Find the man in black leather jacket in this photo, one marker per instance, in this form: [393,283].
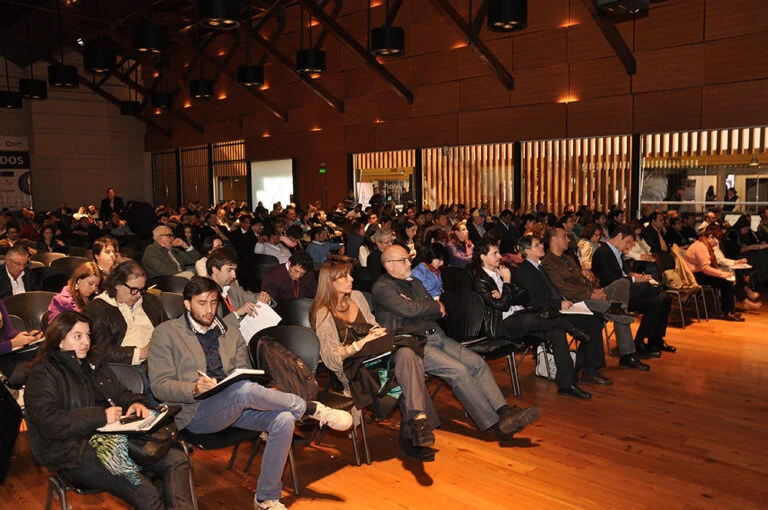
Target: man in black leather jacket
[402,303]
[505,315]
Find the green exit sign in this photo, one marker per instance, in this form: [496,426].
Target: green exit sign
[322,169]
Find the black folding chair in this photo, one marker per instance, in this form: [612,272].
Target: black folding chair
[78,251]
[173,304]
[30,306]
[46,257]
[294,312]
[303,342]
[251,270]
[54,282]
[68,264]
[456,278]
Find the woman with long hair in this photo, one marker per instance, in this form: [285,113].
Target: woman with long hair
[77,293]
[459,246]
[408,237]
[344,324]
[209,244]
[68,399]
[48,242]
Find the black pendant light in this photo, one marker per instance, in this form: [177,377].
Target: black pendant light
[31,88]
[202,88]
[61,75]
[507,15]
[9,98]
[149,38]
[98,57]
[162,99]
[250,75]
[131,107]
[219,14]
[386,41]
[310,60]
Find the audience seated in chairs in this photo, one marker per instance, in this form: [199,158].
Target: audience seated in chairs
[12,363]
[345,326]
[234,301]
[404,305]
[68,398]
[189,354]
[78,291]
[430,259]
[105,250]
[168,255]
[294,279]
[459,246]
[14,277]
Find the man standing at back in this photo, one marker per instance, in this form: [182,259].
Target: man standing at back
[111,204]
[403,304]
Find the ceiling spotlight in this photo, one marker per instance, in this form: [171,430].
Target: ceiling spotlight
[150,38]
[33,89]
[10,99]
[250,76]
[162,99]
[310,61]
[61,75]
[388,41]
[201,89]
[219,14]
[98,57]
[507,15]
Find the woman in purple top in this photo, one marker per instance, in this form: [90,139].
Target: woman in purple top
[11,339]
[460,247]
[76,294]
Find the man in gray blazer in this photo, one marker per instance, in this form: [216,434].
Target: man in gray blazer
[403,304]
[222,268]
[188,355]
[167,255]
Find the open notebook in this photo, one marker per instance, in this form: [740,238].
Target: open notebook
[156,415]
[239,374]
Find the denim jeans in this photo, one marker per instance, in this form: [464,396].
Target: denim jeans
[251,406]
[469,376]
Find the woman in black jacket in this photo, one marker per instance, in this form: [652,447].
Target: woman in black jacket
[68,399]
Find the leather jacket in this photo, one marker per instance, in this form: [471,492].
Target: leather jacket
[63,407]
[511,295]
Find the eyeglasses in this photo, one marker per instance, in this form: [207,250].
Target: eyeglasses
[165,235]
[135,290]
[399,260]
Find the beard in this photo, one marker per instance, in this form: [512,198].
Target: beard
[203,321]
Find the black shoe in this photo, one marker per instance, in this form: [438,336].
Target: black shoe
[644,351]
[579,335]
[516,419]
[575,391]
[631,361]
[421,432]
[618,309]
[733,318]
[596,378]
[420,453]
[664,346]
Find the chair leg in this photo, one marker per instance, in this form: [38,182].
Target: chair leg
[49,495]
[61,491]
[233,457]
[365,442]
[704,302]
[292,464]
[437,388]
[680,306]
[320,437]
[255,445]
[514,376]
[353,434]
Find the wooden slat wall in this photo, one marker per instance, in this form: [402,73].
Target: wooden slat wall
[473,175]
[706,143]
[582,171]
[229,159]
[388,159]
[194,175]
[164,178]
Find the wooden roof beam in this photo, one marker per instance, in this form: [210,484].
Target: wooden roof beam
[355,47]
[613,36]
[470,36]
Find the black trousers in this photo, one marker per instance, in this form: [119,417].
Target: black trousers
[173,468]
[654,304]
[725,287]
[591,355]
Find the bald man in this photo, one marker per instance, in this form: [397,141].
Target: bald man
[403,304]
[168,255]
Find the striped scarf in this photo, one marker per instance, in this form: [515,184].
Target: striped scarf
[112,451]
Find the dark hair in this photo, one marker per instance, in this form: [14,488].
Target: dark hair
[506,212]
[208,244]
[742,222]
[481,248]
[621,229]
[198,285]
[588,231]
[713,230]
[432,251]
[219,258]
[315,231]
[57,329]
[524,244]
[294,231]
[302,259]
[101,243]
[564,219]
[121,274]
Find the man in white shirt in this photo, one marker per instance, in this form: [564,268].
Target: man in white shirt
[272,246]
[13,278]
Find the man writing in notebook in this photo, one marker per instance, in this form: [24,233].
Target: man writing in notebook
[199,341]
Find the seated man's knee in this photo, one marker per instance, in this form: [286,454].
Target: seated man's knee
[284,421]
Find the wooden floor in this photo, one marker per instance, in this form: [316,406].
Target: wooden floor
[692,433]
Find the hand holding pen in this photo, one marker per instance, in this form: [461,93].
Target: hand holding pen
[113,412]
[204,383]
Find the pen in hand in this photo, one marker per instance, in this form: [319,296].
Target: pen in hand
[203,374]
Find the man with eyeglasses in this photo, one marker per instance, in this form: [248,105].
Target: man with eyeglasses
[403,304]
[383,239]
[14,279]
[293,280]
[168,254]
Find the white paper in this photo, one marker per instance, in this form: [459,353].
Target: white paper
[266,318]
[653,282]
[579,308]
[738,266]
[136,426]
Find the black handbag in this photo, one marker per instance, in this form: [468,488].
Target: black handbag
[148,448]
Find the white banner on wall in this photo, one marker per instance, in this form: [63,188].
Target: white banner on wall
[15,176]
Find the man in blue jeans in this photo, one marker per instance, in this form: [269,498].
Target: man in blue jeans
[403,304]
[189,354]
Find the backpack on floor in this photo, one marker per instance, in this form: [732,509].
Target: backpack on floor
[289,373]
[545,358]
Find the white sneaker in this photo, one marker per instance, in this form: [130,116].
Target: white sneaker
[334,418]
[270,504]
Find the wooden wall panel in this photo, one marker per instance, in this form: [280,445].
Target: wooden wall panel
[737,58]
[540,85]
[727,18]
[436,99]
[669,68]
[670,24]
[598,78]
[483,93]
[736,104]
[432,36]
[607,115]
[435,68]
[392,107]
[360,138]
[539,49]
[196,183]
[420,132]
[504,124]
[667,110]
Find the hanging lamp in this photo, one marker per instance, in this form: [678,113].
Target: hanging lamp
[249,75]
[31,88]
[507,15]
[310,60]
[62,75]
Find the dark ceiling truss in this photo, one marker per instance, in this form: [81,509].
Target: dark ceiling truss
[112,99]
[613,36]
[107,75]
[470,34]
[355,47]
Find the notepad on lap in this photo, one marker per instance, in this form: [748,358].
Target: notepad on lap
[239,374]
[137,426]
[266,318]
[579,308]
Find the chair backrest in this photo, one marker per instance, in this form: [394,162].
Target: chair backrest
[17,322]
[368,297]
[456,278]
[41,273]
[294,312]
[69,264]
[463,314]
[35,264]
[362,279]
[129,376]
[30,306]
[78,251]
[173,304]
[54,282]
[303,342]
[168,283]
[252,270]
[46,257]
